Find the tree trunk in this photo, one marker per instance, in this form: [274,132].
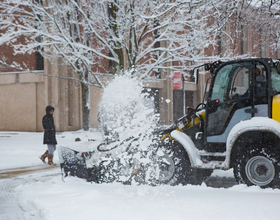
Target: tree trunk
[85,105]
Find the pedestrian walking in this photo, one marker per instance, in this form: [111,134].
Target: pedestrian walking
[49,135]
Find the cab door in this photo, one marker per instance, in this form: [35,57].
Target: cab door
[232,90]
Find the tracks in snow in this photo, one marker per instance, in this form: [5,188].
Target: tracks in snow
[10,179]
[10,173]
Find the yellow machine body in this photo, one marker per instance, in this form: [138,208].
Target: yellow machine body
[276,108]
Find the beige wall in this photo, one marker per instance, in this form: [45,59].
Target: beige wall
[95,97]
[24,96]
[64,96]
[21,100]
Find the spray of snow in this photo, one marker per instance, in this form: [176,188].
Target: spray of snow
[125,110]
[128,122]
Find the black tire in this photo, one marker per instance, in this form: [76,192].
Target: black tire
[257,166]
[171,164]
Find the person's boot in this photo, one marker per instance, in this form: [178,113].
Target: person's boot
[43,157]
[50,158]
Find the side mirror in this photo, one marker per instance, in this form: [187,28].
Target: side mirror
[189,110]
[207,66]
[213,105]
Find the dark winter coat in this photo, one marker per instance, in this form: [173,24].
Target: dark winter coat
[48,125]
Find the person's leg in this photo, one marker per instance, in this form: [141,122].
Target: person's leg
[43,157]
[51,149]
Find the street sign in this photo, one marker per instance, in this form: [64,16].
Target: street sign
[177,80]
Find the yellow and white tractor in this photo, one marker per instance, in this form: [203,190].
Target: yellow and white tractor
[238,126]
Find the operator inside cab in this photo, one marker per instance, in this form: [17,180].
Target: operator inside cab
[260,87]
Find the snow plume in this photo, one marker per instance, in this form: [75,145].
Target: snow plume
[128,123]
[125,110]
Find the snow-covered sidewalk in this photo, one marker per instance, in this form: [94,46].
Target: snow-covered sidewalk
[43,194]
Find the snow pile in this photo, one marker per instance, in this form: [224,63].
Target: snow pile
[76,199]
[42,195]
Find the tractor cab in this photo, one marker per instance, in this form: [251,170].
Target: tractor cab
[239,90]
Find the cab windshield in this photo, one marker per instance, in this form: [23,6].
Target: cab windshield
[231,80]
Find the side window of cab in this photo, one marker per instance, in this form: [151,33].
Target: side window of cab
[275,80]
[240,85]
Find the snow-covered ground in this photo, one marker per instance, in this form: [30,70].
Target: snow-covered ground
[43,194]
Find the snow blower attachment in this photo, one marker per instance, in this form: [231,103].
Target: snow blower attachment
[73,163]
[113,162]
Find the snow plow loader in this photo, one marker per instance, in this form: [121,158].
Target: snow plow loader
[237,126]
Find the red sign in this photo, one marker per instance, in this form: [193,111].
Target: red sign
[177,80]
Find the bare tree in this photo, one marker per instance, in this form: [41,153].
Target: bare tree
[262,19]
[147,36]
[56,30]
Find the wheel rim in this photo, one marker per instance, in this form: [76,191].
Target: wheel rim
[260,170]
[166,168]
